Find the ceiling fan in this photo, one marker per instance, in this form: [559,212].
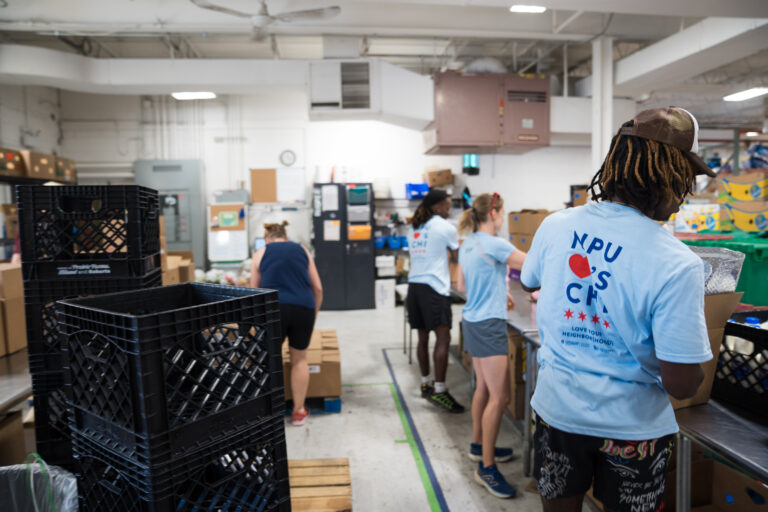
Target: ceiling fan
[262,19]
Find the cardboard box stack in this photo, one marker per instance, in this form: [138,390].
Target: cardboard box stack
[744,201]
[523,225]
[13,325]
[39,165]
[11,226]
[178,266]
[324,365]
[438,178]
[517,353]
[12,445]
[717,311]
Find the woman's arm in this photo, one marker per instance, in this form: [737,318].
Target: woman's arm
[314,281]
[516,259]
[461,284]
[255,268]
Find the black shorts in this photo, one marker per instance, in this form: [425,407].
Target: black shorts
[296,323]
[427,309]
[628,475]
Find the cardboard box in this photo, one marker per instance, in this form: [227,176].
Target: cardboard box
[187,255]
[717,311]
[186,271]
[39,165]
[466,361]
[12,447]
[11,214]
[526,221]
[692,218]
[710,367]
[750,186]
[715,487]
[438,178]
[171,276]
[11,284]
[517,403]
[579,196]
[517,352]
[65,170]
[163,253]
[751,216]
[521,241]
[162,227]
[11,163]
[324,362]
[14,324]
[264,185]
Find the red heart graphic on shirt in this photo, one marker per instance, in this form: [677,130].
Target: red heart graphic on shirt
[579,265]
[416,235]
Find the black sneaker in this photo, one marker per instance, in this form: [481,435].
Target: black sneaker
[446,401]
[426,390]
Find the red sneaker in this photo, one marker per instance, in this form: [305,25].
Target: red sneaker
[298,418]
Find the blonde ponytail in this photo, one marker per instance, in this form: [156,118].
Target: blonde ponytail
[481,207]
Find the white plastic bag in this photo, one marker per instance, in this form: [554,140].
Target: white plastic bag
[37,487]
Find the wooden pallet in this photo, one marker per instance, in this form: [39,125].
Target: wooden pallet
[320,485]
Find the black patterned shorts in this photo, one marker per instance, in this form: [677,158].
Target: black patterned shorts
[628,475]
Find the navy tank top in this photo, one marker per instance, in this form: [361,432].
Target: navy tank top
[285,268]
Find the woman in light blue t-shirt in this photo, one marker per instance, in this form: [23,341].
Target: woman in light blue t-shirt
[483,260]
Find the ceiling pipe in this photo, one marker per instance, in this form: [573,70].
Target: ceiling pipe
[567,22]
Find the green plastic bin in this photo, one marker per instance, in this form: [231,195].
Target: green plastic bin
[754,274]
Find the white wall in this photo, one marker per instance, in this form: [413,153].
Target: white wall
[29,119]
[234,133]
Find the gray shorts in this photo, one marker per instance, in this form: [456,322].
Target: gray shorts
[485,338]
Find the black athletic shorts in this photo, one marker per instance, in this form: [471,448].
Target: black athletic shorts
[628,475]
[296,323]
[427,309]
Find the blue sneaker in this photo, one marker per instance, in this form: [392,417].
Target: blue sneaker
[493,481]
[499,455]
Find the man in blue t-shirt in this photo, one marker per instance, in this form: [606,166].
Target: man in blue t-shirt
[431,239]
[621,319]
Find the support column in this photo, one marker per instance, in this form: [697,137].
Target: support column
[602,99]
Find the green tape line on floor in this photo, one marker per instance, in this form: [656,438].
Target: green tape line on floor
[431,498]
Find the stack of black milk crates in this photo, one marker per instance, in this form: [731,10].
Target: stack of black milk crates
[177,399]
[75,242]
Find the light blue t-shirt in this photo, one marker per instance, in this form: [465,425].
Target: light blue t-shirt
[483,260]
[428,248]
[618,294]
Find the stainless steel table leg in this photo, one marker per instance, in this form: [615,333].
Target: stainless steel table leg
[410,346]
[405,325]
[530,380]
[683,498]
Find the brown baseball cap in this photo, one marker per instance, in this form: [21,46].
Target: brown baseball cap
[670,125]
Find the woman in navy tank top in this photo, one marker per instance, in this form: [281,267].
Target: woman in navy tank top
[288,267]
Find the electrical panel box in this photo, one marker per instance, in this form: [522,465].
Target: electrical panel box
[180,186]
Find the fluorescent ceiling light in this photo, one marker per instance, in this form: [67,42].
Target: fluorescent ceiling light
[748,94]
[193,95]
[530,9]
[752,134]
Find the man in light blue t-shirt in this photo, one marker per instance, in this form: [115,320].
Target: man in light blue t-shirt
[431,239]
[621,319]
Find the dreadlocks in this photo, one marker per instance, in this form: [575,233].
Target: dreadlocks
[644,174]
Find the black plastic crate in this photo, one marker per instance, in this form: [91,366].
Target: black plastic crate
[52,428]
[180,442]
[45,351]
[76,232]
[742,379]
[245,471]
[155,360]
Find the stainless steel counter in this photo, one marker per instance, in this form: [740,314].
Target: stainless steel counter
[15,382]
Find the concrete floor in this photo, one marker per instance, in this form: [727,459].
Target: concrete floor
[374,436]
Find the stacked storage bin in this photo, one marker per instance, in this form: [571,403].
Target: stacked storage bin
[177,399]
[77,241]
